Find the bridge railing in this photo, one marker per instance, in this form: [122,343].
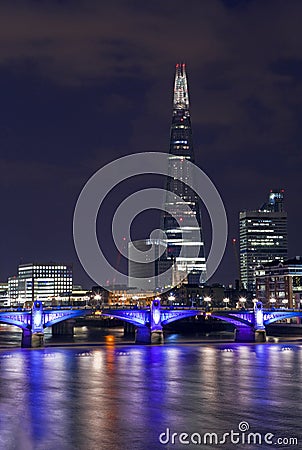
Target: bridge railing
[138,307]
[13,309]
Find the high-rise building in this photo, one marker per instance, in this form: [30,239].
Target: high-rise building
[143,275]
[37,281]
[182,238]
[263,237]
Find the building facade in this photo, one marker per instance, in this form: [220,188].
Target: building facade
[263,237]
[40,281]
[182,238]
[143,271]
[12,289]
[3,294]
[279,284]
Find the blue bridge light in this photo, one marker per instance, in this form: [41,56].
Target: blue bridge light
[148,321]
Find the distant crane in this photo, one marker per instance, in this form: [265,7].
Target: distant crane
[237,261]
[118,260]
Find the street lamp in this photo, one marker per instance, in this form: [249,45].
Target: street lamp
[208,301]
[285,301]
[226,301]
[242,300]
[86,298]
[272,300]
[97,298]
[135,299]
[123,298]
[171,299]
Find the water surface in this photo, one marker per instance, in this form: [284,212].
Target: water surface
[120,397]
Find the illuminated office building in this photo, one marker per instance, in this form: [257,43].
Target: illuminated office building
[3,294]
[12,289]
[263,237]
[183,238]
[37,281]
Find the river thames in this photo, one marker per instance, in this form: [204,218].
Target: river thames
[121,396]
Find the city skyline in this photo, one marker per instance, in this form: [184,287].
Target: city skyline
[70,80]
[86,142]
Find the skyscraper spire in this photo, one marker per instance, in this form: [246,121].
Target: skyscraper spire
[183,238]
[181,94]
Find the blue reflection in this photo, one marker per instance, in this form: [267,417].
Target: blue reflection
[115,397]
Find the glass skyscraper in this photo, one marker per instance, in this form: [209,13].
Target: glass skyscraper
[263,237]
[187,237]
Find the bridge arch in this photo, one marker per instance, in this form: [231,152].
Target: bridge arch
[20,319]
[169,316]
[234,319]
[139,318]
[55,316]
[23,319]
[274,316]
[230,317]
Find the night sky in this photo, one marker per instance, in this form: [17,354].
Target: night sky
[85,82]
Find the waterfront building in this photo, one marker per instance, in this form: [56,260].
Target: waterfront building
[195,295]
[40,281]
[121,295]
[279,284]
[215,296]
[12,289]
[181,149]
[4,294]
[263,237]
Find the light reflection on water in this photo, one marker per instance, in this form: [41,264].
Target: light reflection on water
[10,336]
[122,397]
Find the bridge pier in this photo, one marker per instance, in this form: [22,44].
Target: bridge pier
[32,340]
[249,334]
[260,335]
[129,329]
[144,335]
[157,337]
[26,338]
[244,334]
[64,328]
[255,333]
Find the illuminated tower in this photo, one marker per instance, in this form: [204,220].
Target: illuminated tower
[181,149]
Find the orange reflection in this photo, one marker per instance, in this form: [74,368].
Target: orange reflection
[110,353]
[110,340]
